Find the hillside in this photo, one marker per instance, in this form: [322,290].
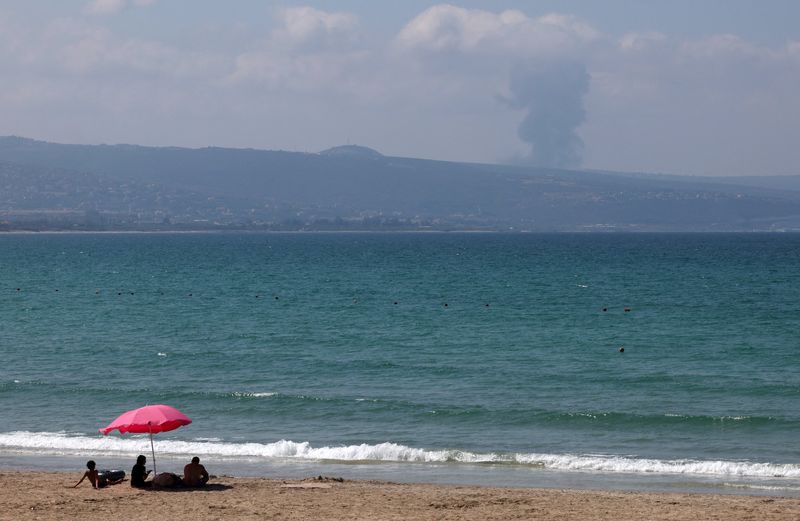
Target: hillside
[353,187]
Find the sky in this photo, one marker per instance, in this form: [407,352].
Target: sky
[700,87]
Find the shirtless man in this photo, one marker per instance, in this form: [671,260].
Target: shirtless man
[194,474]
[95,478]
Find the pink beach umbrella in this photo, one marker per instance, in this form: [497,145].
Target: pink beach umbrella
[149,419]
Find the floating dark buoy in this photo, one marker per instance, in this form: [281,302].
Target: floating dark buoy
[627,310]
[445,304]
[18,289]
[621,349]
[190,294]
[605,309]
[487,305]
[276,297]
[119,293]
[395,303]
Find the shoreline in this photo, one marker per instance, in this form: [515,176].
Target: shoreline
[433,473]
[28,495]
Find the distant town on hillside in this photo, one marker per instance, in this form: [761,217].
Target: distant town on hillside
[57,187]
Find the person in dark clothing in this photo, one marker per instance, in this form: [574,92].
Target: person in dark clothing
[139,474]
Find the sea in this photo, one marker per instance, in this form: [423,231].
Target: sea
[666,362]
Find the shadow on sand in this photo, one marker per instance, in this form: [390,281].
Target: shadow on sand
[213,487]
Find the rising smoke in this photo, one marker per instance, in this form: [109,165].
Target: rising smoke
[552,94]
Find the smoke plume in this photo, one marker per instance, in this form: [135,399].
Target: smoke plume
[552,94]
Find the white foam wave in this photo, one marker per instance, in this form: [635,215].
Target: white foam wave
[239,394]
[75,444]
[624,464]
[771,488]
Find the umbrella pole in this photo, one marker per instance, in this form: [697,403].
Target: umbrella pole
[153,450]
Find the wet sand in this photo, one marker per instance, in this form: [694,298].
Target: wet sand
[40,495]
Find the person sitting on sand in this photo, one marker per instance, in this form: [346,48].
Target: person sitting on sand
[95,478]
[194,474]
[139,474]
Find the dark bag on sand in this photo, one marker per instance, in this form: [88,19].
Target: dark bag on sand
[167,480]
[110,476]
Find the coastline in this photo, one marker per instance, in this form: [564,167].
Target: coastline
[433,473]
[28,495]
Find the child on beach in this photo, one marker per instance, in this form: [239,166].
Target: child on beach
[97,479]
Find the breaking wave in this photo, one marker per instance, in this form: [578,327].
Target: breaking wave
[61,443]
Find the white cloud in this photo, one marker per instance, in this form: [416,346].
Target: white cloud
[310,49]
[447,28]
[718,104]
[793,48]
[106,7]
[717,66]
[639,42]
[67,50]
[101,7]
[311,28]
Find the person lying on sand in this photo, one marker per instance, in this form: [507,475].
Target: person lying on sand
[97,479]
[194,474]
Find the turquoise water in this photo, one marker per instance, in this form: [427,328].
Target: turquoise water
[410,350]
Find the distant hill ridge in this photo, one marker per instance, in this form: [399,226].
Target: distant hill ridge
[352,151]
[350,185]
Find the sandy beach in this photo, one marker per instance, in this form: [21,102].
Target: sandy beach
[39,495]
